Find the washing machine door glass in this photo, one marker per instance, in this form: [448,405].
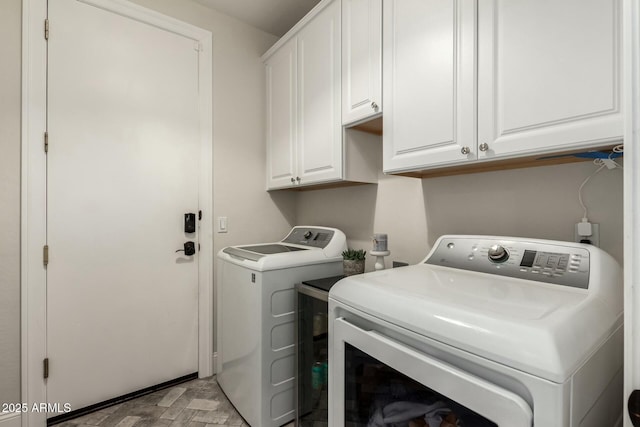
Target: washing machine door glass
[383,382]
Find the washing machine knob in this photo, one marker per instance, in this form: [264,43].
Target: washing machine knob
[498,254]
[308,234]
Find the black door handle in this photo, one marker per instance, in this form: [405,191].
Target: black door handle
[634,407]
[189,248]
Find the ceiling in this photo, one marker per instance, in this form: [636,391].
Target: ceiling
[273,16]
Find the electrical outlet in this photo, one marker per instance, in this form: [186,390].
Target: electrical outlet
[594,238]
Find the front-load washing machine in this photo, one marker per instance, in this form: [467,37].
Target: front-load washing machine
[255,334]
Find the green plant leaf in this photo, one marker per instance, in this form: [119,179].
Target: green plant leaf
[354,254]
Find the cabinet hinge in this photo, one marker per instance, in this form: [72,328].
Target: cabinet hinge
[199,215]
[46,142]
[46,29]
[45,255]
[45,368]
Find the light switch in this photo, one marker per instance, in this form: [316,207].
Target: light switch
[222,224]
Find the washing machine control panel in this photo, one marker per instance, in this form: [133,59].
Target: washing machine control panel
[497,254]
[559,264]
[310,236]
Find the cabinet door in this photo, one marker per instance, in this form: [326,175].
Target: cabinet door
[429,83]
[361,59]
[281,116]
[319,124]
[548,75]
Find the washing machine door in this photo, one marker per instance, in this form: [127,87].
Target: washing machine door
[379,381]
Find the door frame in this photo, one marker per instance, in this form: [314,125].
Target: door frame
[631,36]
[33,190]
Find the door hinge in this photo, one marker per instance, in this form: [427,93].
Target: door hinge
[46,29]
[45,255]
[45,368]
[46,142]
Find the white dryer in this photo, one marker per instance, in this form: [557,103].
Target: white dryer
[255,334]
[491,331]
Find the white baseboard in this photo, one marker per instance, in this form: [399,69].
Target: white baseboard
[10,420]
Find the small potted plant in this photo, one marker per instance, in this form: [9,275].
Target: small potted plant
[353,261]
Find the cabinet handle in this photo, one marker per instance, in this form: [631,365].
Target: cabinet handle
[298,178]
[293,180]
[374,106]
[484,147]
[465,150]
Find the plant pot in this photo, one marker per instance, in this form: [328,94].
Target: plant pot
[353,266]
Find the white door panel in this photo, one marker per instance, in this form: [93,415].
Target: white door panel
[361,59]
[281,71]
[429,83]
[123,168]
[319,130]
[549,74]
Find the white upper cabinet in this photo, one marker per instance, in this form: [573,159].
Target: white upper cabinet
[429,88]
[469,81]
[319,130]
[306,143]
[361,60]
[549,75]
[304,132]
[281,69]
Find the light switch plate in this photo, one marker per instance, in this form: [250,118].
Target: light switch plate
[222,224]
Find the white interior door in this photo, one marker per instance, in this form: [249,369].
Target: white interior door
[123,167]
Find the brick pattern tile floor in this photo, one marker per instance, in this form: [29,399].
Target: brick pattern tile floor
[197,403]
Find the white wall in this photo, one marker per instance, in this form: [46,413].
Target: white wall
[10,28]
[537,202]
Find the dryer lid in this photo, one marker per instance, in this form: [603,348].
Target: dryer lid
[545,329]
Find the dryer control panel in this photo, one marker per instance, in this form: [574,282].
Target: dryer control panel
[559,264]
